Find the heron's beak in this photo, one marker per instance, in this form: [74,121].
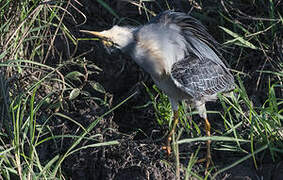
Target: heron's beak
[98,34]
[105,39]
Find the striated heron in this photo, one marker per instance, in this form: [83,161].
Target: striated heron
[182,58]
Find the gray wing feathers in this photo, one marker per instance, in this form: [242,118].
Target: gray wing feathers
[202,72]
[198,41]
[201,77]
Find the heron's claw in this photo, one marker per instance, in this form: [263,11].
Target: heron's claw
[208,162]
[208,158]
[168,145]
[167,149]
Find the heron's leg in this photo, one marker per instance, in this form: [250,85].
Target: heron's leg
[175,107]
[202,112]
[208,154]
[169,138]
[208,142]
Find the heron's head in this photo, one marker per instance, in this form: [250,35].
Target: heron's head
[115,38]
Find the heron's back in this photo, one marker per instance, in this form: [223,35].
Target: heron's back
[174,39]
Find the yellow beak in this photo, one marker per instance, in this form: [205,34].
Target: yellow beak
[104,38]
[98,34]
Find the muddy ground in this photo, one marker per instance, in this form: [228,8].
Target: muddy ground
[139,154]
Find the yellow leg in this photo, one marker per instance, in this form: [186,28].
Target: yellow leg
[208,154]
[169,138]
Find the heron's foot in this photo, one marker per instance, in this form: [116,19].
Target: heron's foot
[208,161]
[168,146]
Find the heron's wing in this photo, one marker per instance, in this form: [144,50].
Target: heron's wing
[201,77]
[199,41]
[188,25]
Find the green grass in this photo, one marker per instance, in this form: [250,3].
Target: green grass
[34,90]
[27,37]
[263,127]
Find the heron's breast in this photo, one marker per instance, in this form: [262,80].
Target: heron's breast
[149,57]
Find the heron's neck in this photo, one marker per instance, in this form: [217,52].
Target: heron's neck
[128,43]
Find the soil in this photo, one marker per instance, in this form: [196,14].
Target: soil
[139,155]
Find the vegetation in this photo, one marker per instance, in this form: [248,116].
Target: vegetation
[56,97]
